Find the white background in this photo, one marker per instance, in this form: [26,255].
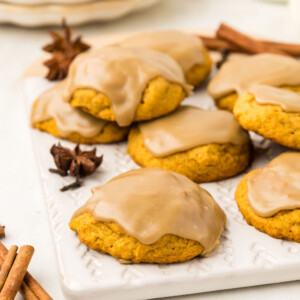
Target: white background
[22,207]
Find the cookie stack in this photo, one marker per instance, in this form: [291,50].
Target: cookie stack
[143,78]
[263,91]
[135,88]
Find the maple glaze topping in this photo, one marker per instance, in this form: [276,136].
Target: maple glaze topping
[67,119]
[237,75]
[185,48]
[276,186]
[189,127]
[149,203]
[122,74]
[288,100]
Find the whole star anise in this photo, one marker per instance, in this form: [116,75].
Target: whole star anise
[63,50]
[75,162]
[58,66]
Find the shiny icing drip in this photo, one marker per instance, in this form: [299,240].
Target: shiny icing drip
[149,203]
[67,119]
[238,75]
[189,127]
[122,74]
[288,100]
[276,187]
[185,48]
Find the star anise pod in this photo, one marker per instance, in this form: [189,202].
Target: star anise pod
[64,50]
[75,162]
[58,66]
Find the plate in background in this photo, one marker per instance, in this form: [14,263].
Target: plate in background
[42,14]
[43,2]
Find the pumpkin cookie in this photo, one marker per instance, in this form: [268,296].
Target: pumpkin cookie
[271,112]
[187,49]
[125,84]
[269,199]
[51,114]
[143,223]
[237,75]
[202,145]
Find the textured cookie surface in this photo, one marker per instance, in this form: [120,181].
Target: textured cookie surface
[227,102]
[199,72]
[109,134]
[202,164]
[109,238]
[270,121]
[283,225]
[159,98]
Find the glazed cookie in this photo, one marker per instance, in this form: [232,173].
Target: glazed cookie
[51,114]
[165,218]
[187,49]
[271,112]
[269,198]
[237,75]
[125,84]
[202,145]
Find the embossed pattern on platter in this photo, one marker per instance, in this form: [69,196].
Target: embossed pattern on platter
[242,248]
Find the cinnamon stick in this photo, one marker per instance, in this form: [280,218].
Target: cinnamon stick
[27,293]
[30,288]
[7,264]
[2,232]
[243,41]
[17,273]
[292,49]
[215,43]
[24,289]
[36,288]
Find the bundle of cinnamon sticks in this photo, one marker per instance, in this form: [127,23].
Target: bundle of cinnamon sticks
[228,38]
[14,276]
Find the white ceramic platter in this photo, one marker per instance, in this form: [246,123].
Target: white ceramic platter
[41,14]
[246,257]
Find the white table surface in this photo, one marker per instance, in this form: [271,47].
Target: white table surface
[22,207]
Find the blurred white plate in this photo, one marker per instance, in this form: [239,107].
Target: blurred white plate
[41,14]
[42,2]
